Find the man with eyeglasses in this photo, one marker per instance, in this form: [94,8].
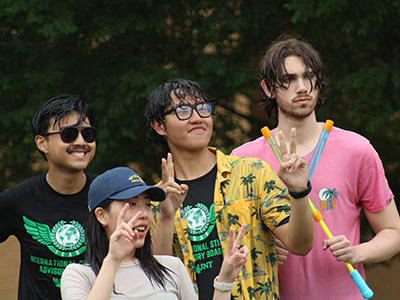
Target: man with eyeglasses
[223,191]
[349,177]
[47,212]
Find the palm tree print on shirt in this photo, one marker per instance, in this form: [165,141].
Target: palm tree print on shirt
[247,181]
[328,198]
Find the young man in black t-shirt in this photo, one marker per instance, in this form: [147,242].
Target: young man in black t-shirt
[47,212]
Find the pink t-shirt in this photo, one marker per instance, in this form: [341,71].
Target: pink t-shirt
[349,176]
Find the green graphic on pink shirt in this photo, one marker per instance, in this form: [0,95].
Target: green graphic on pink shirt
[328,198]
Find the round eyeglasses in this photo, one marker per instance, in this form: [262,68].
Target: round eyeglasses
[185,112]
[70,133]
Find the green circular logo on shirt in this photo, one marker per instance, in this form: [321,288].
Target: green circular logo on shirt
[200,221]
[68,238]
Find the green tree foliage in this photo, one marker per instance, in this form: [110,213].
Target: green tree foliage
[114,53]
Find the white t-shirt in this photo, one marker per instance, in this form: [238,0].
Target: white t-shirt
[130,282]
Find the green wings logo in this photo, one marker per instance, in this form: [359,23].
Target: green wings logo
[64,239]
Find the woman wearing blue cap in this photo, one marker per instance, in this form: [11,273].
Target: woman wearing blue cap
[120,264]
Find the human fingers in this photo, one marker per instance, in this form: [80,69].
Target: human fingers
[175,195]
[164,170]
[122,213]
[244,251]
[282,144]
[175,188]
[169,185]
[333,241]
[230,243]
[295,163]
[281,259]
[279,244]
[127,226]
[134,219]
[281,251]
[170,165]
[240,258]
[234,244]
[240,235]
[127,231]
[184,188]
[121,243]
[232,263]
[345,254]
[293,141]
[292,163]
[167,168]
[340,247]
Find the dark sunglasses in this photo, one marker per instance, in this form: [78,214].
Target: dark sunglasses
[70,134]
[185,112]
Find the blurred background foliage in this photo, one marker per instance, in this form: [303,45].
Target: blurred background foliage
[114,53]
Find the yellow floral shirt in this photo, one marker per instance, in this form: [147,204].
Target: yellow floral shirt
[248,191]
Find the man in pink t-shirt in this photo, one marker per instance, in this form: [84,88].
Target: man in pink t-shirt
[349,176]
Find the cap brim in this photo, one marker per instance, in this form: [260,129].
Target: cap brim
[156,193]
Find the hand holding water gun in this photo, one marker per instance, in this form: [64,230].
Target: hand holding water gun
[341,248]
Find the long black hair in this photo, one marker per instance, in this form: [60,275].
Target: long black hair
[98,245]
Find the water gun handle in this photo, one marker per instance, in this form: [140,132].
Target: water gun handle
[366,292]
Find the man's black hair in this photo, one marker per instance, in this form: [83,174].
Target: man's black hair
[160,100]
[58,107]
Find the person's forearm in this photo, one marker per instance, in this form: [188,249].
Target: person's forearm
[382,247]
[386,243]
[218,295]
[103,286]
[163,235]
[301,229]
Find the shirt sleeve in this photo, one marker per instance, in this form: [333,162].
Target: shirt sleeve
[275,202]
[76,282]
[186,289]
[373,187]
[7,215]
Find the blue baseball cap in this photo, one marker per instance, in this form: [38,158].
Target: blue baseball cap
[120,183]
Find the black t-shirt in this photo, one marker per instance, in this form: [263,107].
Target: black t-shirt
[198,208]
[50,229]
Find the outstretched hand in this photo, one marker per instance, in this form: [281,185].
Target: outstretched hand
[123,239]
[176,193]
[235,257]
[293,170]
